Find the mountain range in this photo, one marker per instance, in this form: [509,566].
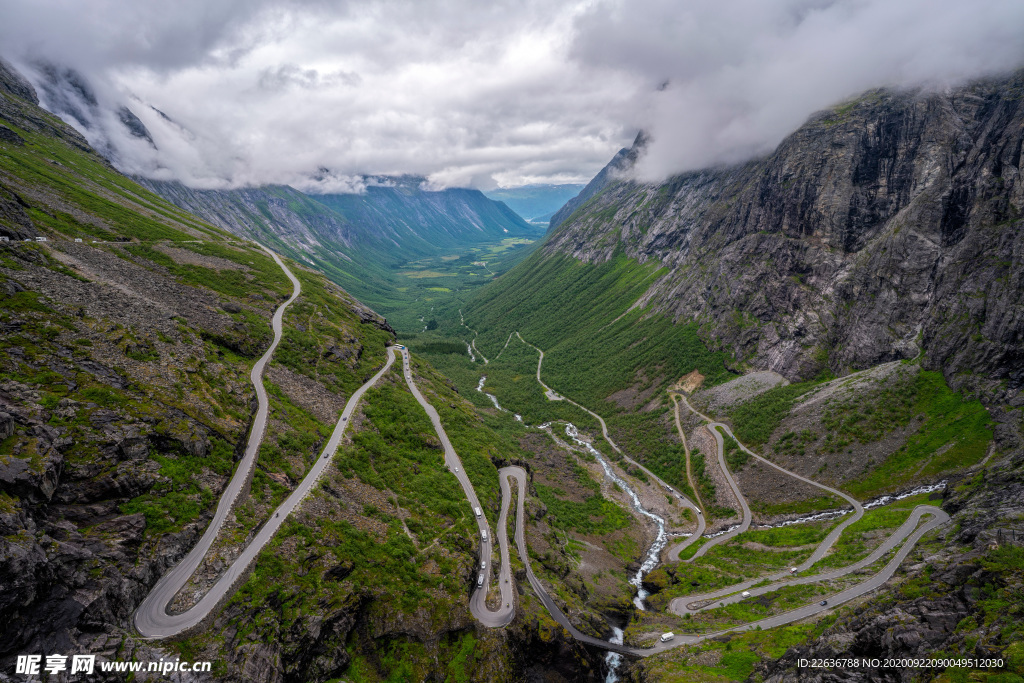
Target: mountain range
[847,310]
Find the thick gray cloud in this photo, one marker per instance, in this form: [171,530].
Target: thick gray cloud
[728,80]
[318,94]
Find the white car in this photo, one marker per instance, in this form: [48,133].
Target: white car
[745,594]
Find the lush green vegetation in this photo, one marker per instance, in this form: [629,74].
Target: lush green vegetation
[401,443]
[739,653]
[607,347]
[755,420]
[512,378]
[180,497]
[864,535]
[952,434]
[738,559]
[324,339]
[595,515]
[735,457]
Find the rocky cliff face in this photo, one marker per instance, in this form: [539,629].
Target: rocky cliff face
[124,402]
[889,223]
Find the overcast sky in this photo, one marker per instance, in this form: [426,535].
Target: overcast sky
[486,93]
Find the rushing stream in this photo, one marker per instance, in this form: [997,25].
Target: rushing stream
[614,659]
[885,500]
[654,554]
[494,399]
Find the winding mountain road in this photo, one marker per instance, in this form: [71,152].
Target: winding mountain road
[823,547]
[908,534]
[673,552]
[554,396]
[478,601]
[151,618]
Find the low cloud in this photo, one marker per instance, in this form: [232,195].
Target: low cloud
[728,80]
[483,94]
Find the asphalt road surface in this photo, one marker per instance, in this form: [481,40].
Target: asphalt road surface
[478,601]
[153,621]
[823,547]
[673,553]
[905,534]
[151,618]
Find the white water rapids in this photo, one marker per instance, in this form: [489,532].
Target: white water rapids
[494,399]
[654,553]
[885,500]
[613,659]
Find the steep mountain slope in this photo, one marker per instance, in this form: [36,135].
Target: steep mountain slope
[893,216]
[294,224]
[125,403]
[620,163]
[883,234]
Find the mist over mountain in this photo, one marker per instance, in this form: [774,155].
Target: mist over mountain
[484,96]
[288,390]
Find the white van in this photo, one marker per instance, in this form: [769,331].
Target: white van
[478,511]
[483,533]
[665,637]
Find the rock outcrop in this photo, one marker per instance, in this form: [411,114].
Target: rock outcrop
[889,223]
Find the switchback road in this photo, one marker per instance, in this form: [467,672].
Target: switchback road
[151,618]
[554,396]
[823,547]
[478,601]
[908,534]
